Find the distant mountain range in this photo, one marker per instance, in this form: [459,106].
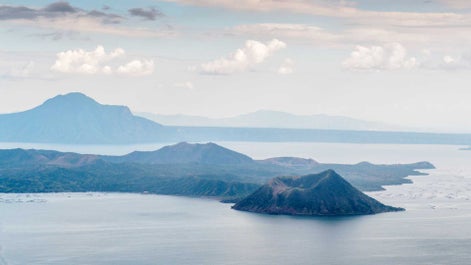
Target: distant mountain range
[77,119]
[323,194]
[273,119]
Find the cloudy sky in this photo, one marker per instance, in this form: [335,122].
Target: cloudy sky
[404,62]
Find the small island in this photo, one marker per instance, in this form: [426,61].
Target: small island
[323,194]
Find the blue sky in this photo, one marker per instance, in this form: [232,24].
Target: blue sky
[401,62]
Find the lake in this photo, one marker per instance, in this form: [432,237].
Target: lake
[112,228]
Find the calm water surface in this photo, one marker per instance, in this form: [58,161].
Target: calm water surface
[111,228]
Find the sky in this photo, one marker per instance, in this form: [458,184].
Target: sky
[403,62]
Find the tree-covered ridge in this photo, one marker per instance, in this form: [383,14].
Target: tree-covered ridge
[181,169]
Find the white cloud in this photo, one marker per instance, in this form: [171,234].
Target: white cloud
[343,37]
[299,6]
[388,57]
[343,9]
[117,53]
[91,25]
[137,68]
[289,31]
[80,61]
[187,85]
[84,62]
[287,67]
[21,71]
[458,4]
[107,70]
[449,60]
[254,52]
[438,60]
[462,61]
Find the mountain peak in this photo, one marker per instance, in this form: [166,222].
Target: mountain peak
[331,174]
[74,98]
[194,146]
[312,181]
[77,103]
[77,118]
[183,152]
[325,194]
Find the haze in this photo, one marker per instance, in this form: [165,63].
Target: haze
[404,63]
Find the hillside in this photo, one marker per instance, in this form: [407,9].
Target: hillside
[183,153]
[323,194]
[181,169]
[76,118]
[19,158]
[272,119]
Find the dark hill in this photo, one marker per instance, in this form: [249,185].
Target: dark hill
[184,159]
[184,153]
[324,194]
[52,171]
[292,162]
[76,118]
[17,158]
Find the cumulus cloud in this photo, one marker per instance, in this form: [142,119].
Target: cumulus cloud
[84,62]
[254,52]
[287,67]
[456,62]
[107,70]
[187,85]
[97,61]
[137,68]
[449,60]
[388,57]
[148,14]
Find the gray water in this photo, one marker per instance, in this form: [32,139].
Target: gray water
[111,228]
